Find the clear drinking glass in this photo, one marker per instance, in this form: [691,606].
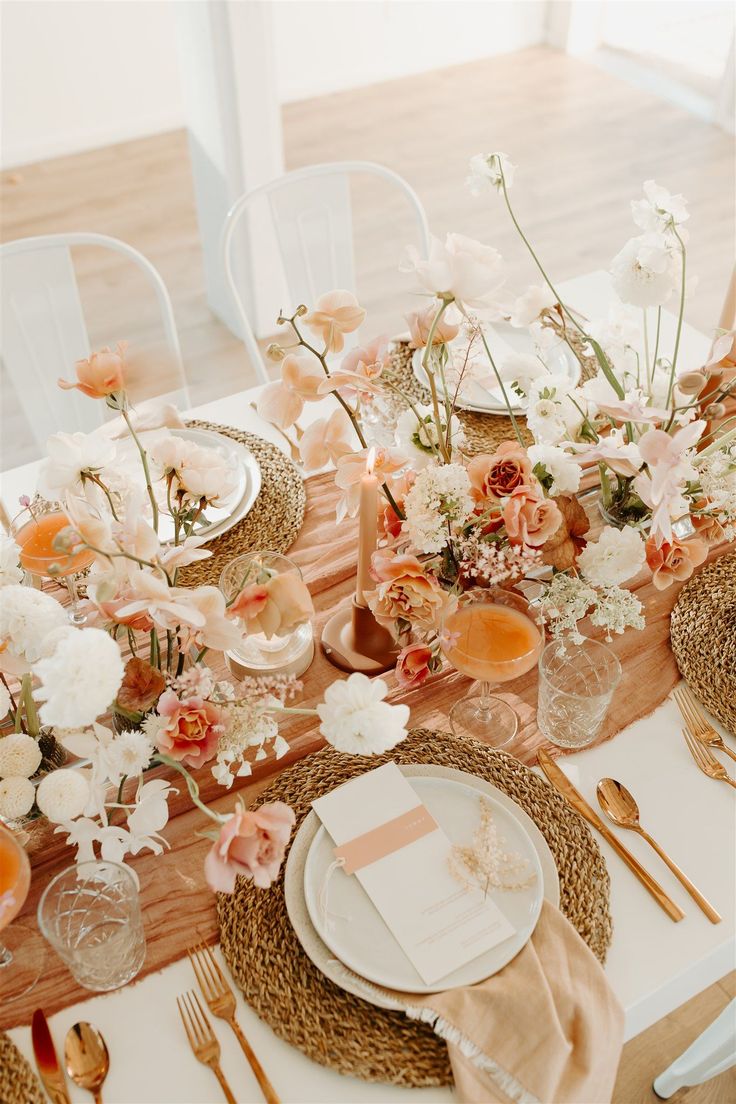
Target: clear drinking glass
[258,654]
[576,684]
[91,916]
[494,636]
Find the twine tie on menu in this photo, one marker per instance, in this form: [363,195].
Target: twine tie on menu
[324,895]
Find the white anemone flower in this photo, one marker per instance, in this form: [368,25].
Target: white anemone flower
[355,718]
[645,272]
[69,457]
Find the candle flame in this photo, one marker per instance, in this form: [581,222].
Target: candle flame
[370,461]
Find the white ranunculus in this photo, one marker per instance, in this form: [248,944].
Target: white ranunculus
[20,755]
[528,307]
[485,172]
[68,456]
[16,799]
[80,679]
[659,210]
[355,718]
[10,569]
[616,556]
[63,794]
[645,272]
[460,268]
[27,618]
[558,464]
[196,471]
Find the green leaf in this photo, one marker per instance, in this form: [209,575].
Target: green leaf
[606,367]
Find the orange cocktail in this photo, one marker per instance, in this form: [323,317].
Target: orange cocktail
[492,643]
[23,957]
[38,555]
[15,877]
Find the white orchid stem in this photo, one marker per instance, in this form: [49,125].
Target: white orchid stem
[146,471]
[430,376]
[679,318]
[497,374]
[646,349]
[191,784]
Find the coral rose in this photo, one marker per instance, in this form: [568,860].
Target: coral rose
[275,607]
[405,591]
[191,728]
[420,323]
[413,665]
[530,518]
[251,843]
[496,475]
[674,561]
[102,374]
[335,314]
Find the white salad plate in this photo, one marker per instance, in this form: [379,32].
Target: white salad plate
[217,519]
[360,953]
[483,394]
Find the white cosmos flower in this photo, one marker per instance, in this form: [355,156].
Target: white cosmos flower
[459,268]
[27,618]
[616,556]
[63,794]
[564,472]
[10,569]
[528,307]
[68,456]
[485,172]
[659,210]
[80,679]
[355,718]
[645,272]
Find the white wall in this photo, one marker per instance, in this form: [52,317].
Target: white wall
[77,74]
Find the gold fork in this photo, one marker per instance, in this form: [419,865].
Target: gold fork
[706,760]
[697,723]
[221,1002]
[202,1038]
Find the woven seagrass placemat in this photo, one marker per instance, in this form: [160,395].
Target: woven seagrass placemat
[342,1031]
[703,635]
[274,521]
[484,432]
[18,1082]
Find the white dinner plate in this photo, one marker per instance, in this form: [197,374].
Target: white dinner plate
[358,936]
[217,519]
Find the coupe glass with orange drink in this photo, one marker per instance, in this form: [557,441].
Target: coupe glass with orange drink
[493,636]
[21,957]
[36,531]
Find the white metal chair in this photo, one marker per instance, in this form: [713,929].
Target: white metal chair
[712,1053]
[312,219]
[44,330]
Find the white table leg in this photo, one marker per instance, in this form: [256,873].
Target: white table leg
[712,1053]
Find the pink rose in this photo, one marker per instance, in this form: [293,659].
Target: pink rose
[101,374]
[251,843]
[674,561]
[412,666]
[191,731]
[496,475]
[530,518]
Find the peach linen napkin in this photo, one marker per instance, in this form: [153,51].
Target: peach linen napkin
[547,1029]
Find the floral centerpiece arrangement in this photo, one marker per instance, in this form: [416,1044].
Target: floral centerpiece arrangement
[449,521]
[142,656]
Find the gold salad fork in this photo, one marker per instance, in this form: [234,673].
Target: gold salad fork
[706,760]
[698,723]
[221,1003]
[202,1038]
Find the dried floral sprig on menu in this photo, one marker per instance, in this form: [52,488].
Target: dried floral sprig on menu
[485,863]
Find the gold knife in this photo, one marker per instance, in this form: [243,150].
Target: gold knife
[51,1072]
[562,783]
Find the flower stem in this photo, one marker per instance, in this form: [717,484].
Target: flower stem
[430,376]
[679,318]
[191,784]
[497,374]
[146,470]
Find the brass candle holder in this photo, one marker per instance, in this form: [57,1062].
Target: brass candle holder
[353,640]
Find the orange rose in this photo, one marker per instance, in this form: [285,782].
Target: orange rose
[412,666]
[674,561]
[496,475]
[102,374]
[530,518]
[405,590]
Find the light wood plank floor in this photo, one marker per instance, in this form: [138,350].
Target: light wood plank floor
[583,141]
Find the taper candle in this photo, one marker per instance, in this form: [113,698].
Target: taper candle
[368,529]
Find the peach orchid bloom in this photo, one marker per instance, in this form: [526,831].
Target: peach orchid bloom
[335,314]
[101,374]
[352,467]
[360,369]
[326,440]
[282,402]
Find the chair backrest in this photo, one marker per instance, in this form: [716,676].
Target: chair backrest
[312,219]
[44,329]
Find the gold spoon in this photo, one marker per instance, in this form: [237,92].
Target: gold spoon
[86,1058]
[620,806]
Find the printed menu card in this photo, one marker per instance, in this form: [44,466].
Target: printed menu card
[389,840]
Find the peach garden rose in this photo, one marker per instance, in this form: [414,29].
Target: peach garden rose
[405,590]
[674,561]
[101,374]
[498,474]
[252,844]
[190,728]
[530,518]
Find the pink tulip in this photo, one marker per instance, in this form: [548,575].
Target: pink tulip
[252,844]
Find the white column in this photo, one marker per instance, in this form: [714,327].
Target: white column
[227,64]
[574,26]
